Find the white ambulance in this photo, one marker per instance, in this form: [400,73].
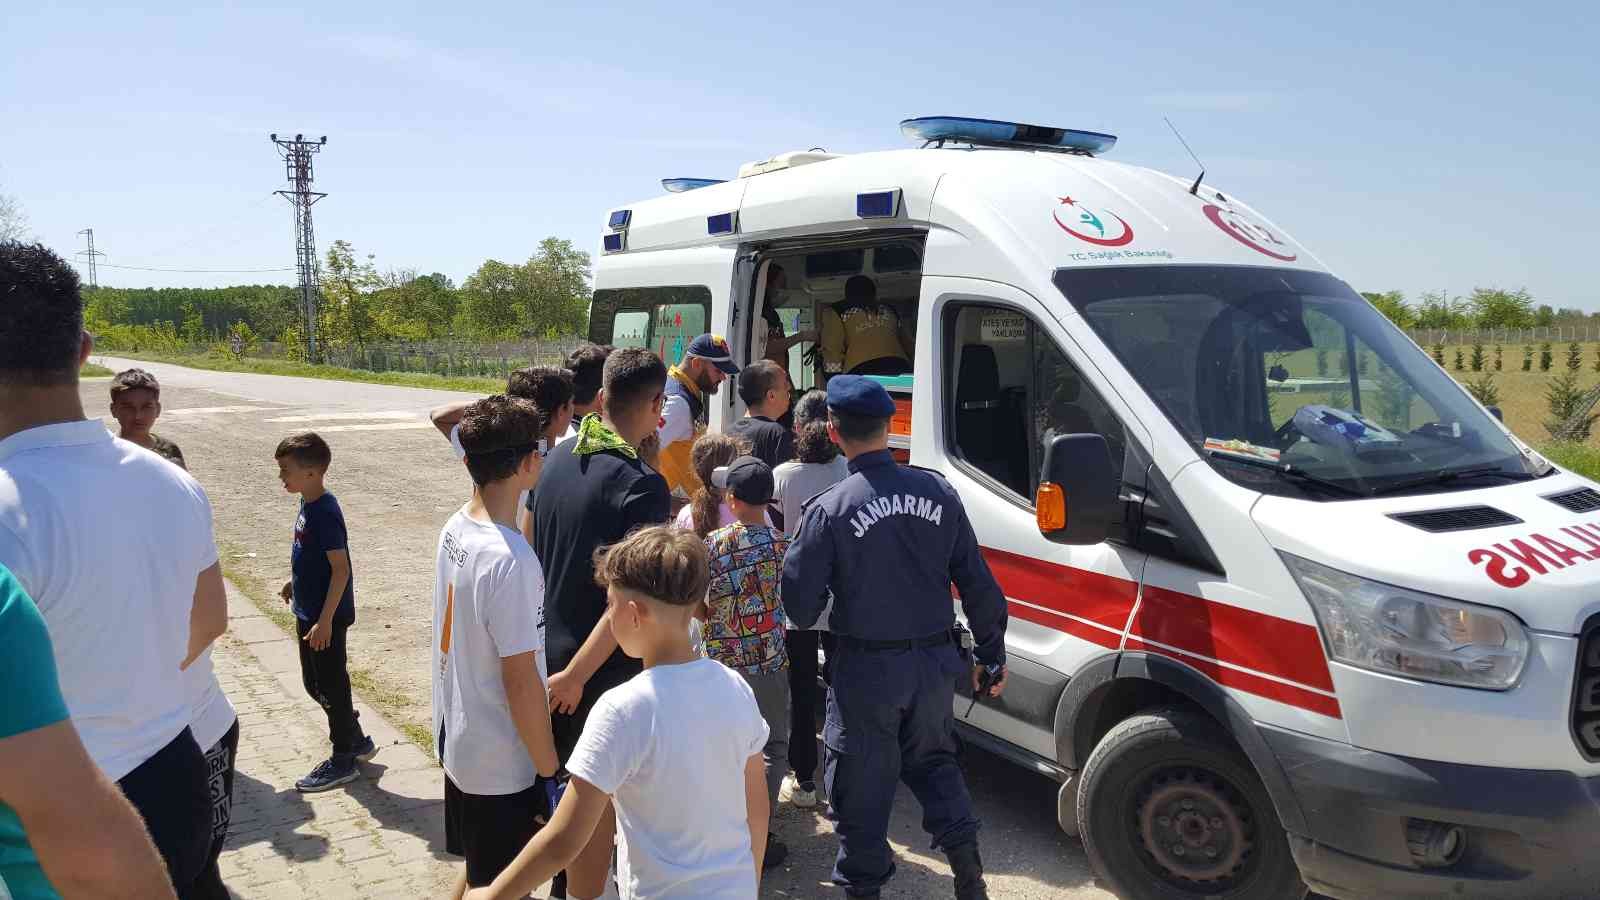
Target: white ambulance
[1287,606]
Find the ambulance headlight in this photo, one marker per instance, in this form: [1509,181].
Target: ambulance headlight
[1390,629]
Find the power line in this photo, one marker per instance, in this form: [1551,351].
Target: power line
[196,271]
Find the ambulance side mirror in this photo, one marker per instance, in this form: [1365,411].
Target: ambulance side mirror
[1076,502]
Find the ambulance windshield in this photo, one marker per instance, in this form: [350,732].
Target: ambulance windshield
[1289,382]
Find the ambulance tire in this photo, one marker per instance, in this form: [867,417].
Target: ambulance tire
[1168,809]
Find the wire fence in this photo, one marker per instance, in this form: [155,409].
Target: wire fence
[1565,334]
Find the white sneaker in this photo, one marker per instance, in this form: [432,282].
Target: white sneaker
[803,797]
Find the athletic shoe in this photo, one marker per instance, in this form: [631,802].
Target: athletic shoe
[804,794]
[366,750]
[777,852]
[330,774]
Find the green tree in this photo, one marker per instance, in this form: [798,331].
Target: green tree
[489,299]
[1483,389]
[1545,357]
[1460,360]
[1497,308]
[1322,362]
[346,317]
[1544,317]
[1437,310]
[1438,354]
[1393,305]
[1574,356]
[1500,354]
[13,221]
[193,327]
[1477,356]
[1597,357]
[1527,357]
[241,339]
[1565,400]
[546,296]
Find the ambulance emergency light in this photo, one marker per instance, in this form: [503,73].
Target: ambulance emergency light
[679,185]
[993,133]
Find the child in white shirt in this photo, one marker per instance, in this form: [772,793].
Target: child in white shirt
[677,748]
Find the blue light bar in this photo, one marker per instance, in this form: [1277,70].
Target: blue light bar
[878,205]
[615,242]
[992,133]
[679,185]
[722,223]
[619,219]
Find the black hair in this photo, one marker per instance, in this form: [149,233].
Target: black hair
[811,441]
[498,432]
[860,290]
[756,379]
[857,428]
[134,380]
[41,317]
[633,376]
[306,448]
[587,365]
[547,387]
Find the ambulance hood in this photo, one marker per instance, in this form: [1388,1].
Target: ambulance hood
[1543,564]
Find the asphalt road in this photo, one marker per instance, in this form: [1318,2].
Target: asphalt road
[397,482]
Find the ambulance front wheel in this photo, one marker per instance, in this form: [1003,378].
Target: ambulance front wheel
[1169,810]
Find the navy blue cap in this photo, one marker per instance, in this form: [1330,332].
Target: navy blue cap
[858,395]
[713,348]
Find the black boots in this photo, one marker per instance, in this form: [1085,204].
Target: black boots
[968,869]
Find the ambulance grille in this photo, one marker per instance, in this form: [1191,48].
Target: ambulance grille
[1586,693]
[1459,518]
[1581,500]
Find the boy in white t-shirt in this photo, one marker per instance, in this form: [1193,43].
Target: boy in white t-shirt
[490,716]
[676,749]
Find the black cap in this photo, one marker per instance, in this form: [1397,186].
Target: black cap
[747,478]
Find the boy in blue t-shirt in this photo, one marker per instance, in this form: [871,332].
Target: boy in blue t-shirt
[322,595]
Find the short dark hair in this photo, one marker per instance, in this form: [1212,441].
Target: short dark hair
[498,432]
[134,380]
[633,376]
[41,317]
[858,428]
[306,448]
[587,364]
[547,387]
[860,289]
[661,562]
[759,377]
[811,441]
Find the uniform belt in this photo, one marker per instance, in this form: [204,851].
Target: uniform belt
[932,640]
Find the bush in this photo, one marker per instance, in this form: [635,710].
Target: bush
[1597,357]
[1500,353]
[1483,389]
[1527,358]
[1438,354]
[1574,356]
[1566,401]
[1477,357]
[1545,357]
[1461,360]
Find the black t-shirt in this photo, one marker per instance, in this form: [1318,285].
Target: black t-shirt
[772,443]
[584,503]
[319,529]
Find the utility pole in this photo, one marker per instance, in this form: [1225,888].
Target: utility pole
[91,253]
[297,155]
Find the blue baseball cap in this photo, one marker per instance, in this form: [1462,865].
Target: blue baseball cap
[713,348]
[857,395]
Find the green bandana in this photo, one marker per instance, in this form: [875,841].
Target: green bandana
[595,437]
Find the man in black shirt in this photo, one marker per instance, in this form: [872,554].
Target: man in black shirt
[764,388]
[595,488]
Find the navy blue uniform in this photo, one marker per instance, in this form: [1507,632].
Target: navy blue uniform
[889,541]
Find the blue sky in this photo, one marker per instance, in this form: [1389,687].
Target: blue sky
[1412,145]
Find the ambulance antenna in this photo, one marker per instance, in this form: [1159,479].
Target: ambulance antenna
[1194,188]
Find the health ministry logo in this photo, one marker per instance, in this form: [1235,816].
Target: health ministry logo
[1095,225]
[1249,232]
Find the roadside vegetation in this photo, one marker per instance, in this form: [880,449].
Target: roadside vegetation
[225,362]
[90,370]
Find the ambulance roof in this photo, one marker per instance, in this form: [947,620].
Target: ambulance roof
[995,210]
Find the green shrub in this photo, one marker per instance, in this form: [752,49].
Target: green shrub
[1483,389]
[1545,357]
[1564,398]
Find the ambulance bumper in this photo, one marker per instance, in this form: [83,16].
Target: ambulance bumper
[1371,820]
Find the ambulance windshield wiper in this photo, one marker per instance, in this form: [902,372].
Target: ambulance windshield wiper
[1290,473]
[1452,475]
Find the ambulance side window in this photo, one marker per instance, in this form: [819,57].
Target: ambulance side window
[664,319]
[1013,391]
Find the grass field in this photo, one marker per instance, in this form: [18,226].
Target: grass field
[90,370]
[308,370]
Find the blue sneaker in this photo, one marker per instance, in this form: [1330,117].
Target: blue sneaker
[333,772]
[365,750]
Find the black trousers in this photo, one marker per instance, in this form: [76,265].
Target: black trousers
[219,764]
[805,698]
[169,790]
[327,681]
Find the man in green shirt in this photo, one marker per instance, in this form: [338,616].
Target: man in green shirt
[65,829]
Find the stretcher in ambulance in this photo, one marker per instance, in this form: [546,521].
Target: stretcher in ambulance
[1288,607]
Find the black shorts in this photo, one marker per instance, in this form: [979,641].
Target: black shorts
[172,793]
[489,829]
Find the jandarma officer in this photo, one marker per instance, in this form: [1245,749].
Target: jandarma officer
[888,541]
